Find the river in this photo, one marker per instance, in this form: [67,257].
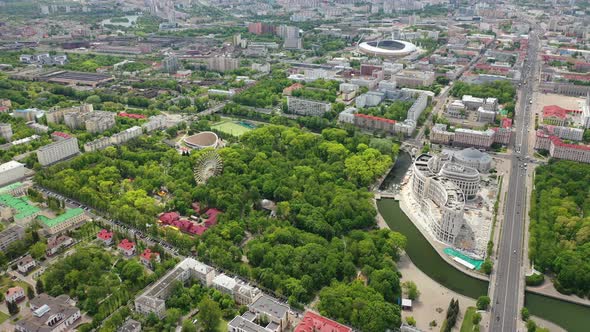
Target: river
[572,317]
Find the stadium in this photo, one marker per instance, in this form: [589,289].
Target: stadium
[387,48]
[206,139]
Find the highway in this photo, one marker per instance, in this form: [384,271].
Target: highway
[508,286]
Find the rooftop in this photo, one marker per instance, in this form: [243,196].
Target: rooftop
[10,187]
[71,213]
[376,118]
[270,306]
[20,204]
[10,166]
[313,322]
[557,111]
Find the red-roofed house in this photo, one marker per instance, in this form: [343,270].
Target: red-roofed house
[313,322]
[506,123]
[148,256]
[168,217]
[14,294]
[212,220]
[127,247]
[561,150]
[105,236]
[558,116]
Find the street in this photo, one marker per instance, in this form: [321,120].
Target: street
[508,287]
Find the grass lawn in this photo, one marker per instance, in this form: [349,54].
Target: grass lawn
[3,317]
[467,325]
[230,127]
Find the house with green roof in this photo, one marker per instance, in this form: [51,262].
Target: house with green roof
[19,209]
[15,189]
[70,219]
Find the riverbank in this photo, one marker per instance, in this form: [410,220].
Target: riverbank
[423,254]
[411,207]
[433,303]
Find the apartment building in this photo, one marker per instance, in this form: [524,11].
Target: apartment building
[413,78]
[155,122]
[117,139]
[222,63]
[475,138]
[561,150]
[307,107]
[65,147]
[56,115]
[11,234]
[440,135]
[6,131]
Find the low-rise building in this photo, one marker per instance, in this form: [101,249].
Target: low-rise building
[18,208]
[56,243]
[313,322]
[130,325]
[72,218]
[52,314]
[15,189]
[148,257]
[486,116]
[105,237]
[127,247]
[14,294]
[153,299]
[456,110]
[275,311]
[25,264]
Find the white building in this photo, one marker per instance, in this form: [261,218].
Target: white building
[347,116]
[475,138]
[155,122]
[11,171]
[441,200]
[486,116]
[57,151]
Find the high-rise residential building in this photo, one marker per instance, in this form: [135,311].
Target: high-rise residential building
[6,131]
[259,28]
[170,64]
[65,146]
[222,63]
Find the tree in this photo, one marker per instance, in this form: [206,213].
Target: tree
[531,326]
[13,308]
[37,250]
[188,326]
[39,287]
[209,314]
[476,318]
[487,266]
[410,320]
[411,290]
[524,314]
[30,293]
[483,302]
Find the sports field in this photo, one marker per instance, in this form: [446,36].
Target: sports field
[231,127]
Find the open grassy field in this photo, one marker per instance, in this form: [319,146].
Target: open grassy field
[230,127]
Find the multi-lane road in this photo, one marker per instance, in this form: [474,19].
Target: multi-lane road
[508,274]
